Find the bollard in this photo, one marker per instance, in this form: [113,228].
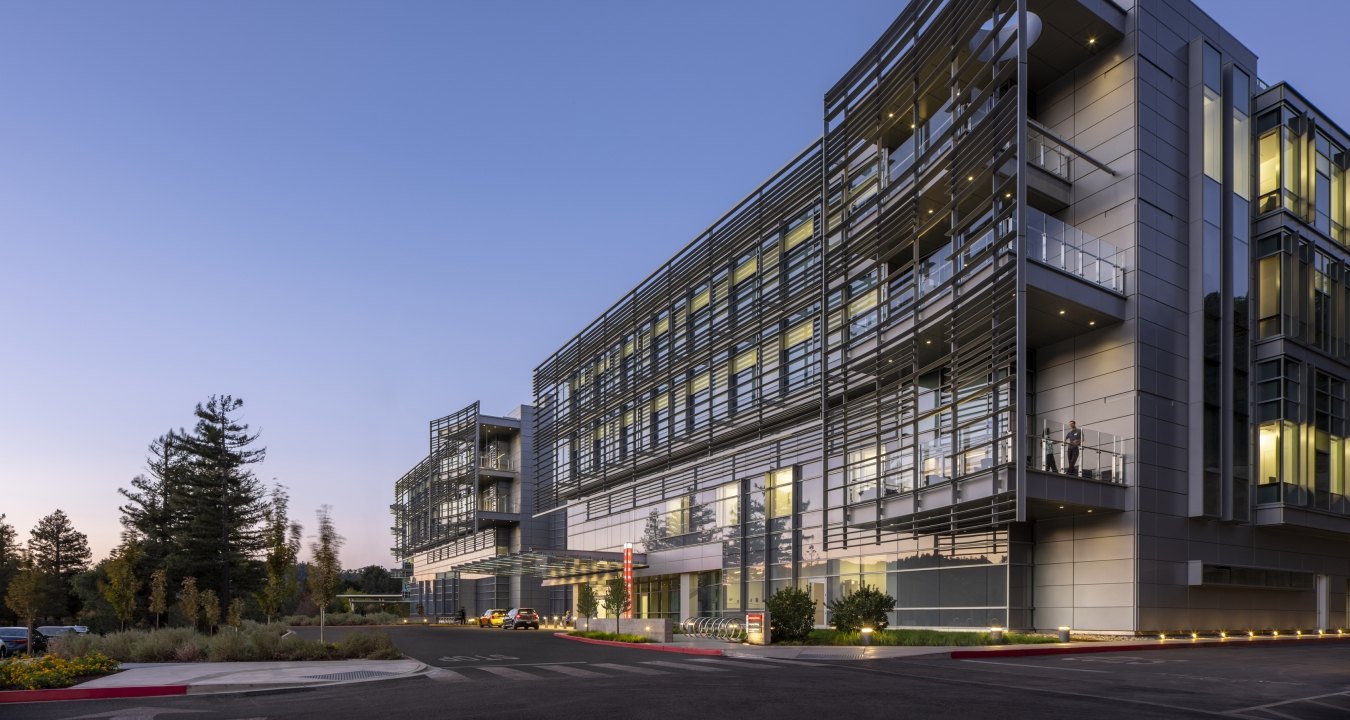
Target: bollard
[1064,633]
[996,634]
[867,637]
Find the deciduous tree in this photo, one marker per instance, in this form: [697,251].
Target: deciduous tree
[283,547]
[617,601]
[587,604]
[211,610]
[325,570]
[159,594]
[191,601]
[27,593]
[122,585]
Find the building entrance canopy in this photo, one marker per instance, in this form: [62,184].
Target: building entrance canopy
[556,567]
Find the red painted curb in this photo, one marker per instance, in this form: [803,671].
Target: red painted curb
[1234,642]
[23,696]
[640,646]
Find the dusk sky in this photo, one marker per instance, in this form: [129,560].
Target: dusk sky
[362,216]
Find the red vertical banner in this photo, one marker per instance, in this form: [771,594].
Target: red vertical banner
[628,577]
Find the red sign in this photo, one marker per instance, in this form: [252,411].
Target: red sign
[628,577]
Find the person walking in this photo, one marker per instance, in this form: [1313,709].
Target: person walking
[1048,445]
[463,617]
[1074,438]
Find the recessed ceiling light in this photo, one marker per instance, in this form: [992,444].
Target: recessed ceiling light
[1092,322]
[1061,507]
[1061,312]
[930,212]
[970,178]
[1007,195]
[911,126]
[890,114]
[1092,41]
[928,342]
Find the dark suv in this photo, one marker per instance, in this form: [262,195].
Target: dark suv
[521,618]
[14,640]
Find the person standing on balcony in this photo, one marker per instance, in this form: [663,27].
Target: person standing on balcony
[1048,447]
[1074,437]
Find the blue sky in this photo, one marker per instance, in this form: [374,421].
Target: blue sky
[361,216]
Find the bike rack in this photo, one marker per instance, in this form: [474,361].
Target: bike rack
[726,629]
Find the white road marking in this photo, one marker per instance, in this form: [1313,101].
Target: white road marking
[446,675]
[572,671]
[780,661]
[730,663]
[683,666]
[631,669]
[1037,667]
[506,672]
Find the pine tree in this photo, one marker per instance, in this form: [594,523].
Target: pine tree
[153,511]
[325,571]
[122,586]
[191,601]
[224,504]
[283,547]
[159,594]
[9,554]
[60,552]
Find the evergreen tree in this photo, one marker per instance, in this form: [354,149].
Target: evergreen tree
[60,552]
[10,554]
[191,601]
[283,547]
[153,511]
[325,571]
[122,585]
[224,505]
[159,594]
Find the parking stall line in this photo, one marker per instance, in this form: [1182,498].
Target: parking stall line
[683,666]
[631,669]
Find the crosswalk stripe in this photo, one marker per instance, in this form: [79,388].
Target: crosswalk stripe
[630,669]
[571,670]
[683,666]
[780,661]
[729,663]
[506,672]
[445,675]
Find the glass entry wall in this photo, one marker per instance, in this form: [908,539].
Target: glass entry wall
[657,597]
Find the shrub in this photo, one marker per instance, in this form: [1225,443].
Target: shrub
[252,641]
[378,618]
[867,606]
[368,645]
[617,637]
[229,647]
[52,671]
[792,614]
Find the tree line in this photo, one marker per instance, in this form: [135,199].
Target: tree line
[202,537]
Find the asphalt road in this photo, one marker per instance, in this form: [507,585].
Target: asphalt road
[505,674]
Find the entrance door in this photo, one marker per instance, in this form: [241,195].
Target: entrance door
[1323,602]
[818,594]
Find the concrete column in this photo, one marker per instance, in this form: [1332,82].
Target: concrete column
[688,596]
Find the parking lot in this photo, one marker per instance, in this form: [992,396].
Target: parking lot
[1303,682]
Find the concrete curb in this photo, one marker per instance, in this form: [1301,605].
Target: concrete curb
[54,694]
[655,647]
[1236,642]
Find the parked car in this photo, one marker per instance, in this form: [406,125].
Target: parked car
[492,618]
[521,618]
[52,631]
[14,640]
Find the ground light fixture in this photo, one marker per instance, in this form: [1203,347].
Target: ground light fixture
[1064,633]
[1223,635]
[1195,636]
[1162,636]
[866,636]
[1251,633]
[996,633]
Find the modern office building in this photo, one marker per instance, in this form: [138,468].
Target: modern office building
[987,343]
[469,500]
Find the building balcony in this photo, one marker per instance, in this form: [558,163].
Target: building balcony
[1075,282]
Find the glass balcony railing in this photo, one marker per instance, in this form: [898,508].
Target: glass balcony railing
[1095,456]
[1048,155]
[493,457]
[496,504]
[1065,247]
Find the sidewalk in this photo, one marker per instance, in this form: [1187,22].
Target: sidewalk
[805,652]
[209,677]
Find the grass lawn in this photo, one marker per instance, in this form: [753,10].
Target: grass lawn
[916,638]
[616,637]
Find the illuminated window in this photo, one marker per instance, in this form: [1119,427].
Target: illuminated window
[778,493]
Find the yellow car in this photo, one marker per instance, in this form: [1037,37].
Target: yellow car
[492,618]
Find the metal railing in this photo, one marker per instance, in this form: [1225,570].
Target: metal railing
[1062,246]
[1097,456]
[726,629]
[1048,155]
